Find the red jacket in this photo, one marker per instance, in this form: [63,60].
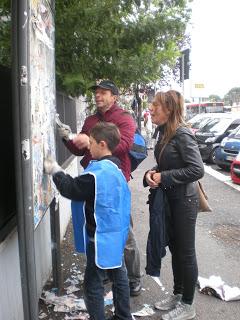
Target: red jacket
[125,123]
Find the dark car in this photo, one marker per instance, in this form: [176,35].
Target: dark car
[199,121]
[228,149]
[213,132]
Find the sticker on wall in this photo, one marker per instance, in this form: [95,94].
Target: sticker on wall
[26,149]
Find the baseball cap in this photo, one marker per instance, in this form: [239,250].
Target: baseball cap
[108,85]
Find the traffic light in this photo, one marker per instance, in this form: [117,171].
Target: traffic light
[184,64]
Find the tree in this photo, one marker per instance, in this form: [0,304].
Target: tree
[127,42]
[232,97]
[214,98]
[5,33]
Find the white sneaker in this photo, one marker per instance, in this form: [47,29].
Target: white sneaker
[169,303]
[182,311]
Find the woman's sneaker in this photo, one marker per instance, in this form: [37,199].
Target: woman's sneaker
[182,311]
[169,303]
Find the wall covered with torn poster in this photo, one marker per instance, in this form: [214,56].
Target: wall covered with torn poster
[43,104]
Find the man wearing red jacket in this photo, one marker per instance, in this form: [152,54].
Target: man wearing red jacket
[106,94]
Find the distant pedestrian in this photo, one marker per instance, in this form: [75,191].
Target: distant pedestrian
[148,128]
[179,165]
[101,220]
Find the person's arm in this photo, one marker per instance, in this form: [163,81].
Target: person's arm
[79,144]
[80,188]
[73,148]
[193,169]
[127,128]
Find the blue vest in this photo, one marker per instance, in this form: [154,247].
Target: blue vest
[111,212]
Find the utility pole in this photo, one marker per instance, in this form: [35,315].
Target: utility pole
[184,67]
[23,160]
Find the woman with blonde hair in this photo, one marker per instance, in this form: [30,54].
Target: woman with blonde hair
[179,166]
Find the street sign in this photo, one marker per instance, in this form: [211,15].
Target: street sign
[199,85]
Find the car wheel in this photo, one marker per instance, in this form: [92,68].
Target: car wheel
[212,156]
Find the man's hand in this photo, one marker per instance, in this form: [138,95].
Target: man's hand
[64,132]
[81,141]
[51,166]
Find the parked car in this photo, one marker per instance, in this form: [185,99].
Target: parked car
[197,121]
[213,132]
[235,169]
[201,119]
[228,149]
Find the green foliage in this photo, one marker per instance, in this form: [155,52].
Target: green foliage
[214,98]
[232,97]
[5,33]
[126,41]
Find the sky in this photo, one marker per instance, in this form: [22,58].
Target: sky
[215,47]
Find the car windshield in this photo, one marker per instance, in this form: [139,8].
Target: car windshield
[199,122]
[236,133]
[216,125]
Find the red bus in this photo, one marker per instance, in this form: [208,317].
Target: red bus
[192,109]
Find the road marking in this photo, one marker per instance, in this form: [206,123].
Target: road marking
[221,177]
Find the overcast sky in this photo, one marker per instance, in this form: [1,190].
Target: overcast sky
[215,52]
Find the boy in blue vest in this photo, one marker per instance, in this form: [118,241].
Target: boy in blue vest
[101,216]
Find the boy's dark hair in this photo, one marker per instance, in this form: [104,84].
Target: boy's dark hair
[108,132]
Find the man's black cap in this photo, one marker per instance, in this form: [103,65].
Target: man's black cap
[107,85]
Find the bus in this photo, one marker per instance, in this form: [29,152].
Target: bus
[191,109]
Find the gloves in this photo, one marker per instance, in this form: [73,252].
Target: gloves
[64,130]
[51,166]
[65,133]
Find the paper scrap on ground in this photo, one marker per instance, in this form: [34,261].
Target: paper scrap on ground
[144,312]
[71,289]
[216,286]
[82,316]
[157,280]
[42,315]
[64,303]
[108,299]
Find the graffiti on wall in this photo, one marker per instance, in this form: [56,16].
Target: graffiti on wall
[43,104]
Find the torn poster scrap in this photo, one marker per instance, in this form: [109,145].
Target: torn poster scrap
[216,286]
[144,312]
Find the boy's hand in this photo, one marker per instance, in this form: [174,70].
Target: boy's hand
[51,166]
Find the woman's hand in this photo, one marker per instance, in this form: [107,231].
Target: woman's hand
[149,179]
[157,177]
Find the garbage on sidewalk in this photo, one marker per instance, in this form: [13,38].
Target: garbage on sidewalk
[144,312]
[215,286]
[64,303]
[70,303]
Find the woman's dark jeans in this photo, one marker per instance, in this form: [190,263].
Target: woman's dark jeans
[94,288]
[182,246]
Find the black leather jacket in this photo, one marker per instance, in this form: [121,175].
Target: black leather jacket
[180,163]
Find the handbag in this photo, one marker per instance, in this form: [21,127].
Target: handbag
[203,199]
